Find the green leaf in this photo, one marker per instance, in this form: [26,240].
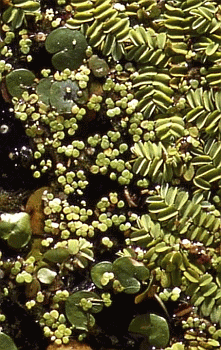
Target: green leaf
[98,270]
[76,316]
[60,39]
[57,255]
[191,276]
[16,229]
[9,14]
[128,271]
[64,94]
[6,342]
[209,289]
[46,275]
[188,172]
[205,279]
[211,49]
[74,312]
[177,346]
[19,80]
[152,326]
[215,314]
[73,246]
[98,66]
[29,6]
[123,265]
[141,272]
[207,306]
[68,47]
[18,240]
[43,90]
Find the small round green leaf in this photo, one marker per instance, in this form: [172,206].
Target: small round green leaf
[19,80]
[77,317]
[98,66]
[131,285]
[141,273]
[128,271]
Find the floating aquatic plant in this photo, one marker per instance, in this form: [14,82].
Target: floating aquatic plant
[79,308]
[17,12]
[15,229]
[68,48]
[153,327]
[19,80]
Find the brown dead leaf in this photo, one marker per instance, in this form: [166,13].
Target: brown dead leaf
[72,345]
[34,208]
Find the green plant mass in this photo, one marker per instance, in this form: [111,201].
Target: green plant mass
[110,174]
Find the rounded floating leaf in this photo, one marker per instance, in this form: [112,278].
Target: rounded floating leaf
[46,275]
[131,285]
[18,240]
[98,270]
[76,317]
[152,326]
[123,265]
[43,89]
[65,59]
[6,225]
[141,272]
[125,271]
[68,47]
[6,342]
[75,298]
[98,66]
[19,80]
[60,39]
[64,94]
[57,255]
[75,313]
